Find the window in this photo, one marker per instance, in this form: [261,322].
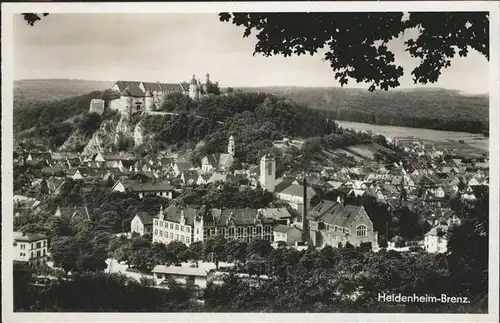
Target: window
[197,230]
[182,228]
[177,227]
[44,252]
[156,232]
[44,243]
[23,247]
[161,233]
[188,240]
[361,230]
[156,222]
[38,253]
[171,226]
[188,229]
[171,235]
[270,169]
[176,237]
[182,238]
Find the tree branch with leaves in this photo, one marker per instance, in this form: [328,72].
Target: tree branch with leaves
[357,43]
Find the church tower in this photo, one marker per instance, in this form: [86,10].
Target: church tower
[193,88]
[268,173]
[126,103]
[149,101]
[206,85]
[231,148]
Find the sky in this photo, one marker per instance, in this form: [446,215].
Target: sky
[172,47]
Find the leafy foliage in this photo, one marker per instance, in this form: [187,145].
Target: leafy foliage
[357,42]
[227,196]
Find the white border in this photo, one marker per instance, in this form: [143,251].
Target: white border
[196,7]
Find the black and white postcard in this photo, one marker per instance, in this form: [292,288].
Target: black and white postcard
[285,162]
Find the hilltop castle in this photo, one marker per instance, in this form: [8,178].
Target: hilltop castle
[131,97]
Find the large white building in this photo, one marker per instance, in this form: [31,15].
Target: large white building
[30,248]
[188,225]
[435,240]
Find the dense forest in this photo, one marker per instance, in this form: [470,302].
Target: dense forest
[420,108]
[254,119]
[42,115]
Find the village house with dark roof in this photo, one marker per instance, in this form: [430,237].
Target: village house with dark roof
[290,235]
[73,213]
[142,188]
[142,223]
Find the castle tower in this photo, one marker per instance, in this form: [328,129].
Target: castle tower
[268,173]
[207,83]
[193,88]
[231,148]
[149,101]
[126,106]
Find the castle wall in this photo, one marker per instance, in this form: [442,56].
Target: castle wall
[96,106]
[116,104]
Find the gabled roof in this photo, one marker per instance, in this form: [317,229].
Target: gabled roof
[152,86]
[173,213]
[190,175]
[145,218]
[218,177]
[54,183]
[294,190]
[29,237]
[72,212]
[239,217]
[183,166]
[435,231]
[171,87]
[137,186]
[276,213]
[122,85]
[135,91]
[219,160]
[335,213]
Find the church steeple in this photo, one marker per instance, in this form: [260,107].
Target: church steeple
[231,147]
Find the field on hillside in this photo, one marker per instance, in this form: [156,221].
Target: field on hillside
[474,140]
